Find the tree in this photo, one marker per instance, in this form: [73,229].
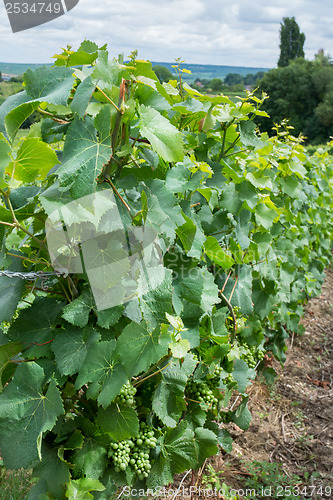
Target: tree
[291,41]
[162,73]
[301,92]
[233,79]
[1,77]
[216,84]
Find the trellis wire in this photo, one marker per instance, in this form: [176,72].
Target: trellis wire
[31,276]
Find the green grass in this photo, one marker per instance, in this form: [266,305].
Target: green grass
[14,485]
[9,88]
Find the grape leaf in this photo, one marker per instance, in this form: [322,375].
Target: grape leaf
[103,369]
[25,413]
[178,452]
[168,399]
[109,317]
[152,306]
[71,347]
[165,139]
[53,471]
[225,440]
[147,347]
[265,215]
[119,421]
[77,312]
[242,374]
[10,291]
[45,84]
[86,150]
[13,112]
[242,295]
[205,444]
[35,324]
[49,84]
[215,253]
[7,351]
[4,159]
[82,96]
[79,489]
[197,286]
[242,416]
[195,416]
[186,233]
[91,459]
[33,161]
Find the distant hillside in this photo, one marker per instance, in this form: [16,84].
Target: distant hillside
[201,71]
[209,71]
[16,69]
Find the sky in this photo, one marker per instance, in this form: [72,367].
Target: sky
[238,33]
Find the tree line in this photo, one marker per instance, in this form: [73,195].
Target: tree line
[299,89]
[231,82]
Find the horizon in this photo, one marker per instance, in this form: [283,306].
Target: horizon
[154,62]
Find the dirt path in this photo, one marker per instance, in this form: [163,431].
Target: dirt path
[291,434]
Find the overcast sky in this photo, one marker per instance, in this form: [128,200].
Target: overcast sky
[239,33]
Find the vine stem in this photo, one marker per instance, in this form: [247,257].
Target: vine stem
[233,289]
[73,288]
[151,375]
[223,141]
[235,153]
[108,99]
[226,281]
[115,133]
[109,181]
[232,145]
[233,335]
[54,117]
[10,224]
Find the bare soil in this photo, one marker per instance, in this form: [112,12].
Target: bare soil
[292,420]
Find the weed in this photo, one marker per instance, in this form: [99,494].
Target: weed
[211,481]
[266,476]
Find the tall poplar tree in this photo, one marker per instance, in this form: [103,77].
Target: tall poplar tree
[291,41]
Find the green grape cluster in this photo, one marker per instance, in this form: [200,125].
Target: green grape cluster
[252,356]
[228,379]
[120,453]
[134,452]
[214,381]
[201,392]
[126,395]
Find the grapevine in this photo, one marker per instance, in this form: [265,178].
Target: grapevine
[129,368]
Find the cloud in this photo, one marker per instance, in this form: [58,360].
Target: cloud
[199,31]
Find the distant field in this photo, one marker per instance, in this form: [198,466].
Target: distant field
[202,71]
[9,88]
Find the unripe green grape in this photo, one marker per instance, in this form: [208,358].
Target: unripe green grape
[201,392]
[126,395]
